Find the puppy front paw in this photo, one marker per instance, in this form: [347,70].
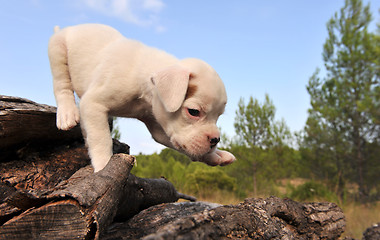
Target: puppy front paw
[225,157]
[67,116]
[218,157]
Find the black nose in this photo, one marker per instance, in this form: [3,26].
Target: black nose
[214,141]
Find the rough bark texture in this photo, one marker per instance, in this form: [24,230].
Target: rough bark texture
[23,123]
[270,218]
[87,200]
[372,233]
[49,191]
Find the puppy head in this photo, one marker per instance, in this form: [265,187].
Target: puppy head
[188,100]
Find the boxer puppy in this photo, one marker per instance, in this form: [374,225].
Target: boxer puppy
[178,100]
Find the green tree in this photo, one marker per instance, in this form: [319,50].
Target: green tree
[258,132]
[115,130]
[344,115]
[253,122]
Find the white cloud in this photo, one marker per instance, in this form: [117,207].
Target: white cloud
[140,12]
[160,29]
[153,5]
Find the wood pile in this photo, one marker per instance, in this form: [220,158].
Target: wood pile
[48,191]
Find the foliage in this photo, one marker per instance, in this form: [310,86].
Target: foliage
[264,138]
[312,191]
[115,133]
[253,122]
[344,119]
[192,177]
[199,179]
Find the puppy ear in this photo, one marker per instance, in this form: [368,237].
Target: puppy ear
[171,86]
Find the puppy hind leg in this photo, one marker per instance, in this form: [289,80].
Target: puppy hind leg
[67,111]
[95,128]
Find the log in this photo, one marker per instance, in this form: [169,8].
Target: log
[85,204]
[271,218]
[142,193]
[81,207]
[372,233]
[24,122]
[35,183]
[36,166]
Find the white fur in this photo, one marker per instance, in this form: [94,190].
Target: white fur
[116,76]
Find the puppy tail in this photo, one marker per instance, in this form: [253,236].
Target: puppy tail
[56,29]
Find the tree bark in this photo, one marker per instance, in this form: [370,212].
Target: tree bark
[270,218]
[81,207]
[372,233]
[84,205]
[25,122]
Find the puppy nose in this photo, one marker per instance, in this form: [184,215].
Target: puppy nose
[214,141]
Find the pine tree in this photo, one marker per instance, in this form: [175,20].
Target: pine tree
[344,114]
[259,133]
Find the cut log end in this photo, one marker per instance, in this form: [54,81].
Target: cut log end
[55,220]
[80,207]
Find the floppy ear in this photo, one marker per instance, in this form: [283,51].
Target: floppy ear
[171,86]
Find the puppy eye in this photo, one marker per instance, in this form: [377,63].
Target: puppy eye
[193,112]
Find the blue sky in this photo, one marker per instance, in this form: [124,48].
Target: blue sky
[257,47]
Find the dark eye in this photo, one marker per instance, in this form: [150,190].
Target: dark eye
[193,112]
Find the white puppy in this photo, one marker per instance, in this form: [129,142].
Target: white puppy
[178,100]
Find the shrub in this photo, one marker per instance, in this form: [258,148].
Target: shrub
[312,191]
[208,180]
